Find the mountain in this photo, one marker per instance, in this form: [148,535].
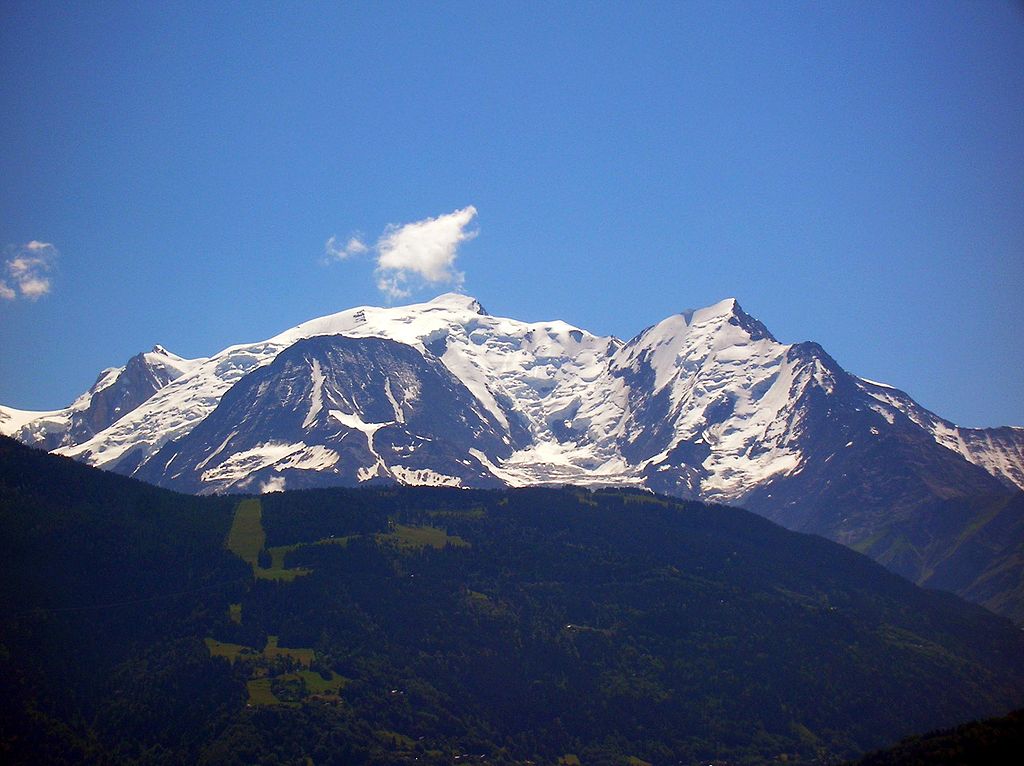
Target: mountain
[352,407]
[706,404]
[116,392]
[396,625]
[995,742]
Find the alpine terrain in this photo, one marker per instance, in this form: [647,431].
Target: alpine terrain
[706,404]
[404,626]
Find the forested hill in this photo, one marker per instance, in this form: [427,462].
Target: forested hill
[993,742]
[418,625]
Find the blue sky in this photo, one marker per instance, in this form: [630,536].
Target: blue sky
[851,172]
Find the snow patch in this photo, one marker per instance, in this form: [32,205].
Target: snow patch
[365,474]
[424,477]
[273,484]
[216,452]
[880,385]
[399,413]
[12,420]
[316,397]
[313,458]
[242,464]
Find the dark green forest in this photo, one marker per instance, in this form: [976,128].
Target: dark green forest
[437,626]
[992,742]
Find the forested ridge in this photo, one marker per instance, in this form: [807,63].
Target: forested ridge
[993,742]
[414,625]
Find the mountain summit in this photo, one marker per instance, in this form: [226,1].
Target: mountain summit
[706,404]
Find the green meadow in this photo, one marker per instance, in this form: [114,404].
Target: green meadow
[231,652]
[246,538]
[261,685]
[414,537]
[302,656]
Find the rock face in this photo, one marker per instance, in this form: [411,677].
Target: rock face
[352,409]
[116,392]
[706,404]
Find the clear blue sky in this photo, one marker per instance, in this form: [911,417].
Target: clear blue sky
[852,172]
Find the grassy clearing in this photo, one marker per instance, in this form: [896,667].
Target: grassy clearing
[278,552]
[234,652]
[472,513]
[396,740]
[412,538]
[304,657]
[316,683]
[292,686]
[569,759]
[281,574]
[235,613]
[246,538]
[278,570]
[260,693]
[231,651]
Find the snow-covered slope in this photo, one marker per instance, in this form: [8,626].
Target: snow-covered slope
[116,392]
[12,421]
[353,409]
[1000,451]
[521,373]
[706,403]
[706,389]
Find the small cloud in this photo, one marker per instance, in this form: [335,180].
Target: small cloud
[34,287]
[26,269]
[422,252]
[354,246]
[413,255]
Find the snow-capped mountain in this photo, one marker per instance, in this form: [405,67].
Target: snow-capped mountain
[1000,451]
[705,404]
[356,409]
[116,392]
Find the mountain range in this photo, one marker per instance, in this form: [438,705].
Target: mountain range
[706,404]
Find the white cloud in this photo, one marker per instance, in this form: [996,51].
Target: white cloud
[422,252]
[354,246]
[34,287]
[413,255]
[27,268]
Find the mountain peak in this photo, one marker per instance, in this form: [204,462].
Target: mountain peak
[724,308]
[458,301]
[730,311]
